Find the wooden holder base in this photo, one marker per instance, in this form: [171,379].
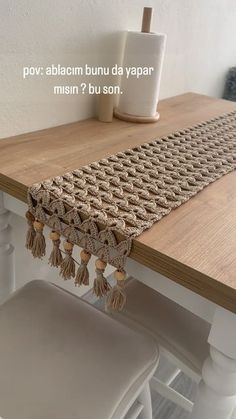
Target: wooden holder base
[137,119]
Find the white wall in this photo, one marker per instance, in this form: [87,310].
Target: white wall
[201,47]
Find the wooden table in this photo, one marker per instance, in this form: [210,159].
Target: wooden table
[193,248]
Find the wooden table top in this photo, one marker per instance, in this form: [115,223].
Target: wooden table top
[195,245]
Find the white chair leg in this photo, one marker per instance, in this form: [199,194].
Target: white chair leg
[167,370]
[134,411]
[170,394]
[145,399]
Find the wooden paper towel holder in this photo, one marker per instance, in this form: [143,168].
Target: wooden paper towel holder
[146,26]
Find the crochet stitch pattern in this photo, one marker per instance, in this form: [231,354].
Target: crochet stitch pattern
[104,205]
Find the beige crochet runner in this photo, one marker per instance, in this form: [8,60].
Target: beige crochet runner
[103,206]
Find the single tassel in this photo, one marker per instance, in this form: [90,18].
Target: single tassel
[39,244]
[82,276]
[116,298]
[100,285]
[67,266]
[31,231]
[55,258]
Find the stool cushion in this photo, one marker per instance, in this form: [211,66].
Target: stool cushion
[179,332]
[62,358]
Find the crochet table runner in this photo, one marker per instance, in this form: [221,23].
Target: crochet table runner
[101,207]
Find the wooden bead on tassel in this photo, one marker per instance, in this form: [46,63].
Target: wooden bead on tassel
[100,285]
[31,231]
[55,258]
[116,298]
[100,264]
[120,275]
[82,276]
[68,246]
[39,244]
[54,236]
[67,266]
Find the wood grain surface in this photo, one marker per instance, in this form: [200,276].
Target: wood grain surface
[195,245]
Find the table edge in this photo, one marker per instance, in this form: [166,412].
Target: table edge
[196,281]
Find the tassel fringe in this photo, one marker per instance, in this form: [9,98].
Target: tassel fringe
[39,243]
[31,231]
[82,276]
[55,258]
[116,298]
[67,266]
[35,241]
[100,286]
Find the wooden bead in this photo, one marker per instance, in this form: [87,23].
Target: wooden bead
[54,236]
[100,264]
[85,256]
[67,245]
[120,275]
[38,226]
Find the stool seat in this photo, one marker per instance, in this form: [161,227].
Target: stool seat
[62,358]
[179,332]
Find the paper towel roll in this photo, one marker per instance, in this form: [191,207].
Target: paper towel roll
[140,95]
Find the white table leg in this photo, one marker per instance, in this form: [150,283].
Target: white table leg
[6,254]
[216,398]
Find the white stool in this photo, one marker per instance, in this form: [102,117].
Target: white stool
[181,336]
[62,358]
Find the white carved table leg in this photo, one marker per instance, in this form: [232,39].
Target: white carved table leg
[6,254]
[216,398]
